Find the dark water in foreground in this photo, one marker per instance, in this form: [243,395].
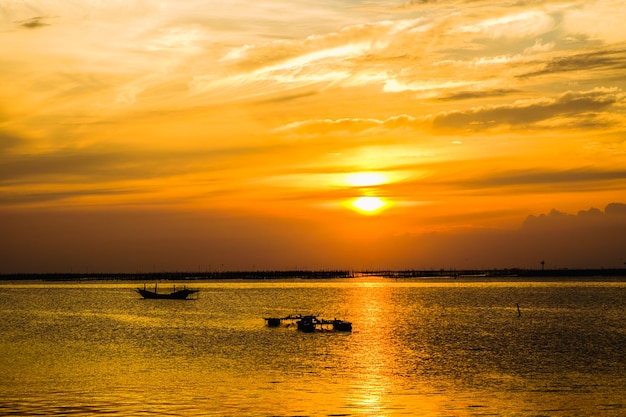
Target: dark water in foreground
[418,348]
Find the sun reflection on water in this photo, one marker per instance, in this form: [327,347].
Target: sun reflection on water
[372,353]
[385,380]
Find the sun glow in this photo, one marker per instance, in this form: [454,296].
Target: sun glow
[368,205]
[366,179]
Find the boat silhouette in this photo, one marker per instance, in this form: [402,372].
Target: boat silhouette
[174,295]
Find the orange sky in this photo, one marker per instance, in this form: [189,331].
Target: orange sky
[140,135]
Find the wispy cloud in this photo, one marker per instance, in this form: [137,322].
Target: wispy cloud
[472,95]
[329,59]
[522,24]
[529,113]
[35,22]
[598,61]
[38,198]
[587,106]
[555,179]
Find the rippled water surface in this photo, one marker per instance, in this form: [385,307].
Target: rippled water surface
[417,348]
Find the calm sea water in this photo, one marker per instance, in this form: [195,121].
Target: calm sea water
[417,348]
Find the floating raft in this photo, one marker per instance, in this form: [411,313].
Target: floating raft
[310,323]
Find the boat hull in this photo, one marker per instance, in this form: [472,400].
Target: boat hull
[176,295]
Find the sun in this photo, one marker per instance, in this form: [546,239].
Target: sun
[368,205]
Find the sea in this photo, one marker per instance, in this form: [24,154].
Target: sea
[418,347]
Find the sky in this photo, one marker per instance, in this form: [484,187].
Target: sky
[233,135]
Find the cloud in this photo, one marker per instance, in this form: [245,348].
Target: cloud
[122,174]
[523,24]
[604,60]
[472,95]
[329,125]
[287,53]
[573,109]
[288,97]
[352,125]
[101,163]
[350,41]
[572,179]
[601,20]
[589,239]
[614,215]
[22,198]
[472,179]
[59,165]
[354,55]
[35,22]
[527,113]
[395,86]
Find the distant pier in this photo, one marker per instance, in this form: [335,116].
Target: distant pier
[501,274]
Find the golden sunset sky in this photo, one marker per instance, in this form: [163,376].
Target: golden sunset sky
[186,135]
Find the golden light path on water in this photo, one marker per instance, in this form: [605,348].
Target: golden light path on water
[376,356]
[371,357]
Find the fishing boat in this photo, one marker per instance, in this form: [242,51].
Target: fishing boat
[174,295]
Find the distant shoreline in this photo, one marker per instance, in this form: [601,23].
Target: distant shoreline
[506,273]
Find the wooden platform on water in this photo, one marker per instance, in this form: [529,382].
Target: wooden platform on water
[310,323]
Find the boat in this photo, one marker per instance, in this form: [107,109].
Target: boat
[174,295]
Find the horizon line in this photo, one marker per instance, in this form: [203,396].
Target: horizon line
[324,273]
